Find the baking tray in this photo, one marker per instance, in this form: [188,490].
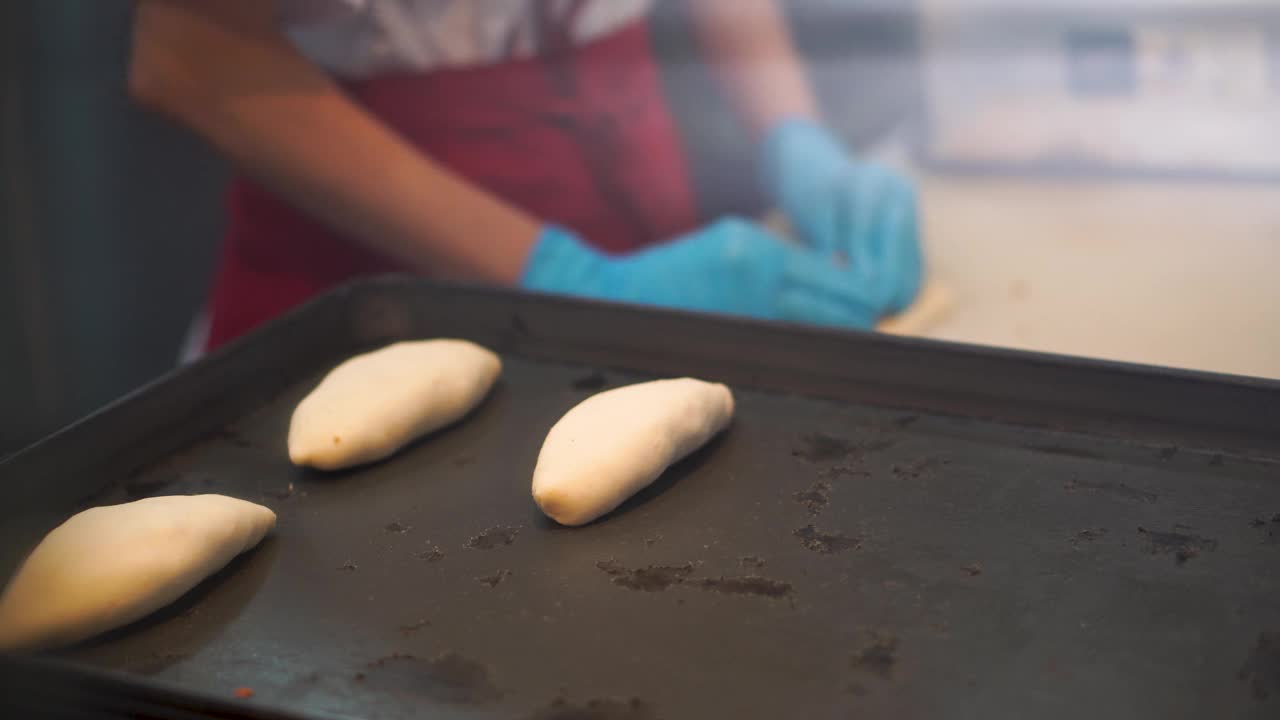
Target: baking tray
[891,527]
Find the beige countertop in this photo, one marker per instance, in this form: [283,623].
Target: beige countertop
[1177,274]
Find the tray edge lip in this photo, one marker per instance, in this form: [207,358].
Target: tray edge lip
[392,280]
[123,684]
[341,297]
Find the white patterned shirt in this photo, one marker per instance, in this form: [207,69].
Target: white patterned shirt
[358,38]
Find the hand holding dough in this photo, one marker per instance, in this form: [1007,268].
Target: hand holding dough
[108,566]
[615,443]
[373,404]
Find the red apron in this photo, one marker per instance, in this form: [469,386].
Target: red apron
[581,137]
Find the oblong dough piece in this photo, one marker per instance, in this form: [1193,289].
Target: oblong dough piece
[374,404]
[613,444]
[108,566]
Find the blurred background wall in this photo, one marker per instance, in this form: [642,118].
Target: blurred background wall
[110,218]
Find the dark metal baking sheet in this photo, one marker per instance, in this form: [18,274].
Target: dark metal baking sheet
[890,528]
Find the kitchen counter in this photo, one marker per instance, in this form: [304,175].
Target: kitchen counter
[1176,274]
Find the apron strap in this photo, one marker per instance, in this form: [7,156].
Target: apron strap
[552,31]
[596,133]
[555,30]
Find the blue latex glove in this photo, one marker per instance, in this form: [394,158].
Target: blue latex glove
[863,213]
[732,266]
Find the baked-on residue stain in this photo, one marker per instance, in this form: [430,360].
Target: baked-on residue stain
[751,561]
[821,448]
[600,709]
[873,446]
[494,537]
[1262,668]
[284,494]
[395,527]
[1087,535]
[1064,451]
[1183,545]
[878,657]
[825,543]
[519,326]
[1117,489]
[816,497]
[447,678]
[1270,530]
[913,471]
[414,626]
[817,447]
[592,381]
[747,585]
[973,570]
[431,555]
[232,436]
[495,579]
[348,566]
[652,578]
[845,470]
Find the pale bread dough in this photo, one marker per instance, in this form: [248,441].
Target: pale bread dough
[613,444]
[373,404]
[108,566]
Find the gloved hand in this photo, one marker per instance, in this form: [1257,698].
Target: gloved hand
[731,266]
[863,212]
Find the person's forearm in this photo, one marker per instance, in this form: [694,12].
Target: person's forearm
[748,44]
[224,71]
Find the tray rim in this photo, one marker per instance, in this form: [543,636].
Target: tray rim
[312,317]
[339,297]
[136,693]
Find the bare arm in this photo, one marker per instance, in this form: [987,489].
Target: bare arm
[222,69]
[748,44]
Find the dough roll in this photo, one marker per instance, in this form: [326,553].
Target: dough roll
[613,444]
[109,566]
[373,404]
